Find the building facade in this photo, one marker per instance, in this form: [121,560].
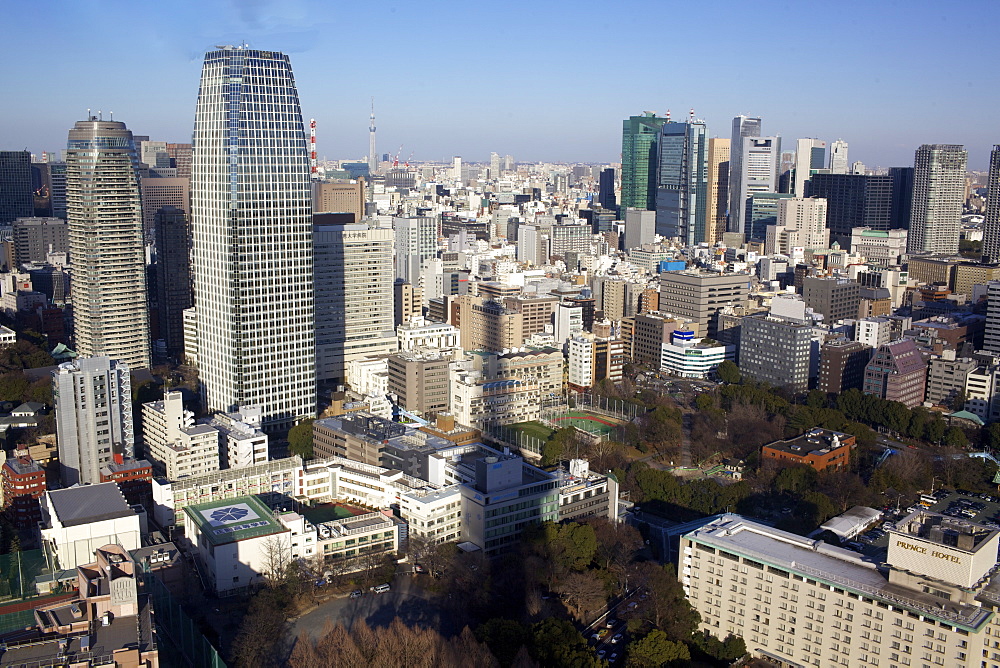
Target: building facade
[682,182]
[252,230]
[639,156]
[744,129]
[110,311]
[897,372]
[938,196]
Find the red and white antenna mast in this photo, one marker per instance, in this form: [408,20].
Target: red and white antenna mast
[312,148]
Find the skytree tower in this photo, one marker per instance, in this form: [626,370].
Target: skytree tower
[372,159]
[252,238]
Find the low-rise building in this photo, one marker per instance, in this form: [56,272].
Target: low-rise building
[842,365]
[819,449]
[241,440]
[583,493]
[78,520]
[688,358]
[947,377]
[174,443]
[480,403]
[23,486]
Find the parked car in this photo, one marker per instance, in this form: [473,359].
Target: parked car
[381,589]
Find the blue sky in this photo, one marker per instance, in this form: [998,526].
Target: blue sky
[539,80]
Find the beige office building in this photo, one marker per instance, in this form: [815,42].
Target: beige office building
[699,296]
[420,381]
[340,198]
[718,188]
[160,192]
[801,602]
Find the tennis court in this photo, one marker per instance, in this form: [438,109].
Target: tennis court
[328,512]
[589,422]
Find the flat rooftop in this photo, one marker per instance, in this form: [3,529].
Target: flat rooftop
[946,531]
[828,564]
[815,440]
[75,506]
[232,520]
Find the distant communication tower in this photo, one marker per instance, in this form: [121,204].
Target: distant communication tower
[313,168]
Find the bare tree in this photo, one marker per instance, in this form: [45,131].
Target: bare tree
[582,592]
[276,555]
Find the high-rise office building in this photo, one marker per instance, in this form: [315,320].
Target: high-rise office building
[743,127]
[838,157]
[173,275]
[938,195]
[801,224]
[682,181]
[902,197]
[93,411]
[854,200]
[372,156]
[252,238]
[759,175]
[157,193]
[340,198]
[34,238]
[991,225]
[639,157]
[354,295]
[606,189]
[180,159]
[717,188]
[810,154]
[16,199]
[104,208]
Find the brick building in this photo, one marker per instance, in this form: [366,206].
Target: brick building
[820,449]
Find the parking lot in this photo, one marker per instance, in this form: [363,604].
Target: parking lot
[962,504]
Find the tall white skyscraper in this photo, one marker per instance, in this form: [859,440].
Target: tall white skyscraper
[354,295]
[801,224]
[838,157]
[991,225]
[938,194]
[372,158]
[456,168]
[809,154]
[93,410]
[104,210]
[252,228]
[760,162]
[743,127]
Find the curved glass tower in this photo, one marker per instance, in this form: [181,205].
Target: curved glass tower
[252,228]
[104,215]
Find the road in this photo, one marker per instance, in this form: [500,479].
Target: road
[407,600]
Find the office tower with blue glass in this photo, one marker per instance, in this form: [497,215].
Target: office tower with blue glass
[639,157]
[104,211]
[252,238]
[682,181]
[744,127]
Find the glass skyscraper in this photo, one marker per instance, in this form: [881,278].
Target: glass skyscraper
[639,157]
[104,212]
[252,238]
[743,127]
[682,182]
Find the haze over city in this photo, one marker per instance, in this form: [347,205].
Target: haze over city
[547,82]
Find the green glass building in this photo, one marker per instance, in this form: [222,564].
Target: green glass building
[639,160]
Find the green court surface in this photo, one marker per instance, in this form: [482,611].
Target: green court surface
[589,422]
[328,512]
[535,429]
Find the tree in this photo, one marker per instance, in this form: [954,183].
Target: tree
[275,557]
[300,439]
[582,592]
[559,445]
[935,429]
[795,479]
[993,435]
[666,608]
[704,402]
[955,438]
[557,644]
[504,637]
[728,372]
[14,386]
[655,650]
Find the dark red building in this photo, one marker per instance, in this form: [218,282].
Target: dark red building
[134,478]
[23,485]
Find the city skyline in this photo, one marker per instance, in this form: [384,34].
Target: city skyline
[912,97]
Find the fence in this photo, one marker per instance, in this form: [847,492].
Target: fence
[178,627]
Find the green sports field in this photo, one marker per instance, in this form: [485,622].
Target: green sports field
[587,421]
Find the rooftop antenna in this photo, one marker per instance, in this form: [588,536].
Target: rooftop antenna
[112,114]
[100,115]
[89,117]
[668,115]
[691,116]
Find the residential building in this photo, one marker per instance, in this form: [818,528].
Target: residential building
[929,602]
[110,311]
[717,188]
[897,372]
[35,238]
[174,443]
[134,478]
[242,442]
[266,222]
[419,381]
[699,296]
[78,520]
[591,359]
[482,403]
[938,196]
[489,325]
[172,228]
[819,449]
[682,181]
[873,332]
[874,302]
[639,156]
[745,130]
[237,541]
[23,483]
[507,496]
[991,337]
[536,312]
[340,197]
[835,299]
[842,365]
[16,199]
[685,357]
[991,218]
[353,288]
[93,410]
[947,377]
